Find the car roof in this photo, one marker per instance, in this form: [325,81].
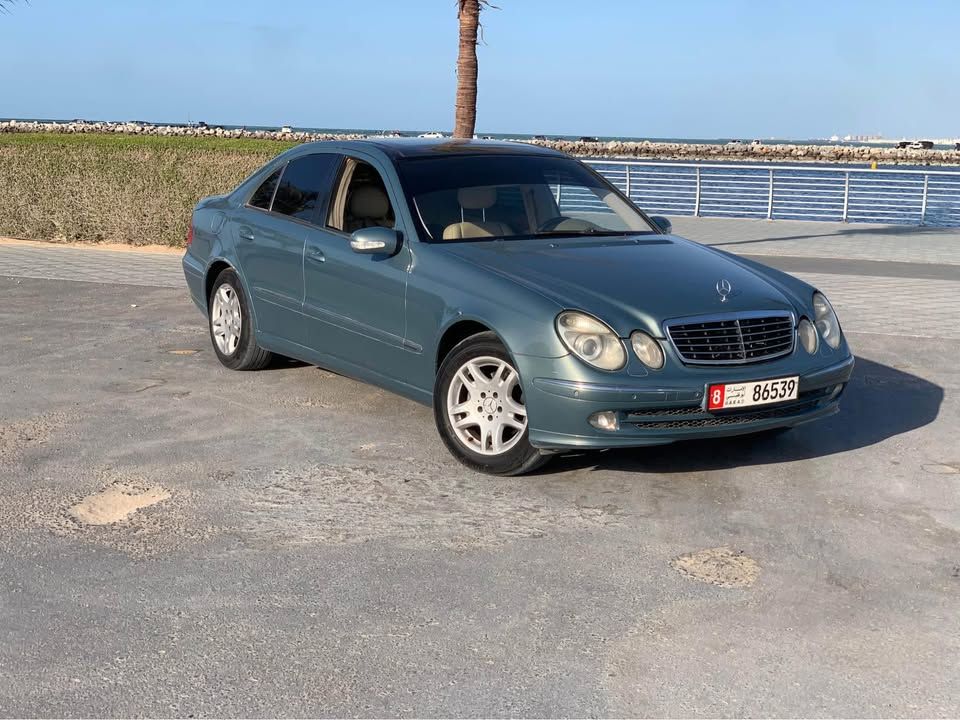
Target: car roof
[401,148]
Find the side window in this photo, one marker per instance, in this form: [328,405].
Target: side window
[361,199]
[304,185]
[264,194]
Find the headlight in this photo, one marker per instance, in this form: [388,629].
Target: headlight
[591,340]
[826,320]
[647,349]
[808,336]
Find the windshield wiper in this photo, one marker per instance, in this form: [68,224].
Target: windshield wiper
[583,233]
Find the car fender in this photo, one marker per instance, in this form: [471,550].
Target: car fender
[446,291]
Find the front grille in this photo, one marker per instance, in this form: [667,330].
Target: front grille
[732,339]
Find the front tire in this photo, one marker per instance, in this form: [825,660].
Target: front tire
[479,409]
[231,325]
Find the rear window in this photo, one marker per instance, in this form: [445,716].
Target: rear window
[264,194]
[304,185]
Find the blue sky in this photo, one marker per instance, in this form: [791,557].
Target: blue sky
[675,68]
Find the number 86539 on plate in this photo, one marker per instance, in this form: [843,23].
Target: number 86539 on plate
[761,392]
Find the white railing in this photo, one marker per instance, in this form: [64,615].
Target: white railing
[915,197]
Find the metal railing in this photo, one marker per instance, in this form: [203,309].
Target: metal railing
[913,197]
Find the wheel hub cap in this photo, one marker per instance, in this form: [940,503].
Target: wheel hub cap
[225,319]
[485,406]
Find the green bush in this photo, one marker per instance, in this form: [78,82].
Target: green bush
[116,188]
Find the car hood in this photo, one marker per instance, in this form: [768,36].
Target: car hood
[629,283]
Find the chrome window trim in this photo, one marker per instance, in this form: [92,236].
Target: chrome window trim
[736,316]
[273,213]
[246,203]
[281,216]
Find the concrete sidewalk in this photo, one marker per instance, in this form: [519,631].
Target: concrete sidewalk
[853,241]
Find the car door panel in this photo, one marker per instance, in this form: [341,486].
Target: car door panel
[270,251]
[355,303]
[270,240]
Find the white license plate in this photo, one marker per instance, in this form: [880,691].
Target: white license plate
[762,392]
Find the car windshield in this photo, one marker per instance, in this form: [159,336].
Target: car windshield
[511,197]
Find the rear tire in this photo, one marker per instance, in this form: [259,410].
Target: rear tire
[479,410]
[231,325]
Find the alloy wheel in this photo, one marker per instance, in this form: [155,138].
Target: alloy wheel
[485,405]
[225,319]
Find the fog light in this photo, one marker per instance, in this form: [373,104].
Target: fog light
[606,420]
[808,336]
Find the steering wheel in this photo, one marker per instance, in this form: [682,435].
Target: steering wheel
[551,224]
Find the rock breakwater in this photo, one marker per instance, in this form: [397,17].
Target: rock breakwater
[646,149]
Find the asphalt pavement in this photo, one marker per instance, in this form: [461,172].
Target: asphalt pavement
[305,546]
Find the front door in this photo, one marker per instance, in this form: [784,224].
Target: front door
[355,303]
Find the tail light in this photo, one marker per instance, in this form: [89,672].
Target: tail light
[190,234]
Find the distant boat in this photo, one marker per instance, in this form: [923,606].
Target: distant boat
[286,129]
[588,139]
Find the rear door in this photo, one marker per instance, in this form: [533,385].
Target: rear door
[270,233]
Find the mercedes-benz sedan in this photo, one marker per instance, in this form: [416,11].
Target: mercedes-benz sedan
[516,291]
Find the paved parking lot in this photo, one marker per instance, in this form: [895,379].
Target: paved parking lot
[306,547]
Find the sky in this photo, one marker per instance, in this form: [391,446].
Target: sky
[643,68]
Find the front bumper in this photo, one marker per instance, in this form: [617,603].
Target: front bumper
[663,408]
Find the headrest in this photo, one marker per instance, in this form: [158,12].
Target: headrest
[477,198]
[368,201]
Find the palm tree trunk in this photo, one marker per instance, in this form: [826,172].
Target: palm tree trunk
[466,105]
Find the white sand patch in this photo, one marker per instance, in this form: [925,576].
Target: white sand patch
[718,566]
[116,503]
[938,469]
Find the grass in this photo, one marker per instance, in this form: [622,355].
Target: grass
[117,188]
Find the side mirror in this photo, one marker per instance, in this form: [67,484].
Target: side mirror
[375,241]
[665,226]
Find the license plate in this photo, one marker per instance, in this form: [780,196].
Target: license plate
[762,392]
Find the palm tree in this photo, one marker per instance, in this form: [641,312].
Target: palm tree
[468,12]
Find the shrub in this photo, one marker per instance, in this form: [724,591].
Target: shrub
[109,188]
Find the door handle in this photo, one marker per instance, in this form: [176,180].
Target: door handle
[245,233]
[316,254]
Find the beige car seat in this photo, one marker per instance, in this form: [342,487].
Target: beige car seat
[476,198]
[369,207]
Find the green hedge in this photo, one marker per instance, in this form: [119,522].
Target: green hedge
[116,188]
